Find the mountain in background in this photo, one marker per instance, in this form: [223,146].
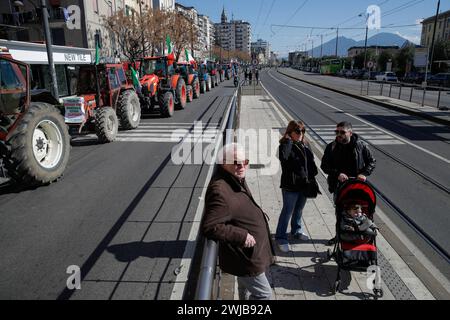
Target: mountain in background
[380,39]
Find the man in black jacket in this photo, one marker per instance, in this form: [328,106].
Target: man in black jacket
[346,157]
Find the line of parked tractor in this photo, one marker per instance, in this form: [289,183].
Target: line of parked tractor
[35,129]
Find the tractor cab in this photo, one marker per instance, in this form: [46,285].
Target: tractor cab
[104,96]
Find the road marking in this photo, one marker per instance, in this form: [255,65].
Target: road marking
[366,122]
[169,133]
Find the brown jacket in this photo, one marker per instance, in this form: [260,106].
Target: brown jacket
[231,213]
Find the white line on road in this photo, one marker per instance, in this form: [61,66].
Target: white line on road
[367,123]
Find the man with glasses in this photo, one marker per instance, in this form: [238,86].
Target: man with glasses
[233,218]
[346,157]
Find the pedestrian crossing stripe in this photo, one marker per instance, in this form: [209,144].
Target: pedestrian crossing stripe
[197,132]
[371,135]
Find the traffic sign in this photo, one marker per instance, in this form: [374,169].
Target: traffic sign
[370,64]
[255,62]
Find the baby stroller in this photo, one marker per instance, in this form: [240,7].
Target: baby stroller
[356,255]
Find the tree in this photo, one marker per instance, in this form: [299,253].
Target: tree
[182,32]
[128,34]
[404,57]
[441,52]
[383,59]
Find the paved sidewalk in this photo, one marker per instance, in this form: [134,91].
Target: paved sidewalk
[302,274]
[353,88]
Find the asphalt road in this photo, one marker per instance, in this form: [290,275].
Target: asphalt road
[377,89]
[122,213]
[400,143]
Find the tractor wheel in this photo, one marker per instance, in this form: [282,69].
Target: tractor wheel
[181,92]
[167,105]
[129,110]
[106,124]
[39,147]
[196,89]
[203,87]
[190,94]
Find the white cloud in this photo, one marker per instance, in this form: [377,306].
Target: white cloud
[411,38]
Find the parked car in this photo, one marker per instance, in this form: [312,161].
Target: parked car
[371,75]
[387,76]
[440,80]
[414,77]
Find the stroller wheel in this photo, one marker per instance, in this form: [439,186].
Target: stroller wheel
[329,255]
[337,284]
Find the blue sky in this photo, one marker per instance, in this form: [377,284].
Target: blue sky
[318,13]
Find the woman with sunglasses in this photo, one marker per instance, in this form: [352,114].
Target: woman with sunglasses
[298,167]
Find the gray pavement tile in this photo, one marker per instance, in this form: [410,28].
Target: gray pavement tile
[94,291]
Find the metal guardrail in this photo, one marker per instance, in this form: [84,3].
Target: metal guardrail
[408,86]
[210,249]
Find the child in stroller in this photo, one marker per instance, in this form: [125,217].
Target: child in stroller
[355,248]
[355,225]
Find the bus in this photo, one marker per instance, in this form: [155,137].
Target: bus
[331,66]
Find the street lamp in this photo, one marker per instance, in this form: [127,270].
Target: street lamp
[365,50]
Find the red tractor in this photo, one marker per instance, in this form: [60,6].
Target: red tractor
[190,76]
[104,97]
[161,85]
[34,141]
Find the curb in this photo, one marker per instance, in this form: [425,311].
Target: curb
[382,104]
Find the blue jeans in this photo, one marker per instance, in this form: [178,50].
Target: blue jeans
[293,204]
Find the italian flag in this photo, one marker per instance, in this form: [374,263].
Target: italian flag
[170,53]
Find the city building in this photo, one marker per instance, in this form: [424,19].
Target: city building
[297,57]
[442,29]
[75,26]
[261,48]
[354,51]
[164,4]
[233,35]
[206,35]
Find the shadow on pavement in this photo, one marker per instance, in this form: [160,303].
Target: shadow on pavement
[128,252]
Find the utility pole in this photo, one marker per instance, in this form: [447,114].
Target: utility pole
[142,29]
[321,46]
[48,43]
[434,35]
[337,41]
[365,52]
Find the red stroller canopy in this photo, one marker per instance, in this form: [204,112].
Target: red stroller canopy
[355,190]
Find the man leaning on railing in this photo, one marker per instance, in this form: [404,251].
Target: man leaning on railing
[233,218]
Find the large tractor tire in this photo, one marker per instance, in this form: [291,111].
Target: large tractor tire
[196,89]
[106,124]
[39,148]
[202,86]
[167,105]
[208,83]
[181,92]
[129,110]
[190,94]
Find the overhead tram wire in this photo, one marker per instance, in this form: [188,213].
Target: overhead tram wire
[295,13]
[259,15]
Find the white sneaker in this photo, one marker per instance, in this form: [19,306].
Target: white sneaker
[284,247]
